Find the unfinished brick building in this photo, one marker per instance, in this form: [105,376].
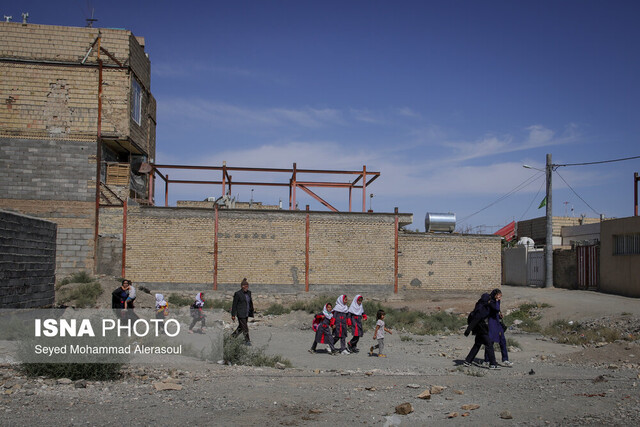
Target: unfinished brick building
[76,108]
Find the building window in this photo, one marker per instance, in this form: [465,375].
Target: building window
[136,101]
[626,244]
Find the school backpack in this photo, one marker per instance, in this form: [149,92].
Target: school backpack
[317,320]
[480,308]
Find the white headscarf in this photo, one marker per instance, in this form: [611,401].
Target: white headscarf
[356,308]
[340,307]
[199,300]
[327,313]
[160,302]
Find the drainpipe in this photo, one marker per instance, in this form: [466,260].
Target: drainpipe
[98,163]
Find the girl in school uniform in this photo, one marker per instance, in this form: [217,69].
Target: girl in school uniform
[324,323]
[340,314]
[355,317]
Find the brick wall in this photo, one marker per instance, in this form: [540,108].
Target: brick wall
[536,228]
[442,262]
[175,245]
[27,261]
[59,99]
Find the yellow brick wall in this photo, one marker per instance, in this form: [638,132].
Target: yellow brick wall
[439,262]
[110,220]
[175,245]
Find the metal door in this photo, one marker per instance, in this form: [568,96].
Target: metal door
[535,268]
[588,264]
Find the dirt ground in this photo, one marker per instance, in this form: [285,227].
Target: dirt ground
[549,384]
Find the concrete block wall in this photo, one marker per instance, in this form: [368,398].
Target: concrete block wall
[442,262]
[27,261]
[536,228]
[176,245]
[53,180]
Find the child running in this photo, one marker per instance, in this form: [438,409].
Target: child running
[355,316]
[325,322]
[379,334]
[197,314]
[340,314]
[162,311]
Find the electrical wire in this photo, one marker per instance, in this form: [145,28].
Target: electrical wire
[574,192]
[519,187]
[532,200]
[597,163]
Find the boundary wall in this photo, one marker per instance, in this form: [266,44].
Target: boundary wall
[174,249]
[27,261]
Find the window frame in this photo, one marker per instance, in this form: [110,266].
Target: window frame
[136,101]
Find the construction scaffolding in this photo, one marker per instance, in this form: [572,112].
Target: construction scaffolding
[363,179]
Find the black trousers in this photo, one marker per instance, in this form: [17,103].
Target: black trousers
[243,326]
[482,340]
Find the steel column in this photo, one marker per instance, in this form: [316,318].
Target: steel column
[166,191]
[306,253]
[395,260]
[98,163]
[364,188]
[215,249]
[124,236]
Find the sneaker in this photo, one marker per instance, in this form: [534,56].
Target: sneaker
[371,351]
[312,351]
[345,351]
[335,352]
[494,367]
[355,350]
[190,331]
[466,364]
[507,363]
[382,355]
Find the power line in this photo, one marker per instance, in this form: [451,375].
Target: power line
[519,187]
[574,192]
[532,200]
[597,163]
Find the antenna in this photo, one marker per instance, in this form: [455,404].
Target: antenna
[7,18]
[25,15]
[91,20]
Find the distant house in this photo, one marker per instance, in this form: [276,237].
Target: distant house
[52,123]
[620,256]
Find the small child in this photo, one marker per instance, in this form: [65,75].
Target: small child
[131,296]
[340,332]
[162,311]
[197,314]
[379,334]
[323,323]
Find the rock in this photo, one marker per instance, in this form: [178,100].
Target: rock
[466,414]
[162,386]
[452,414]
[64,381]
[426,395]
[506,415]
[436,389]
[315,411]
[404,408]
[613,366]
[413,386]
[600,379]
[370,388]
[280,365]
[470,407]
[458,392]
[171,381]
[532,372]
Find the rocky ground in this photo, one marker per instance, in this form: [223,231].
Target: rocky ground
[549,384]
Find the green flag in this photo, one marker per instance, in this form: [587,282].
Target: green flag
[543,203]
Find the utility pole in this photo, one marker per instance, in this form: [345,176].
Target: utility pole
[548,251]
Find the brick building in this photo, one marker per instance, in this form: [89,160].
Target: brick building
[52,121]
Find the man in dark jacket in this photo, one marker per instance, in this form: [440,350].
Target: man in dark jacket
[480,328]
[242,308]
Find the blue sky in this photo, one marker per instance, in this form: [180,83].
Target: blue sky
[447,99]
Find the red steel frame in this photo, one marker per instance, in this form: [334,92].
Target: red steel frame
[293,184]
